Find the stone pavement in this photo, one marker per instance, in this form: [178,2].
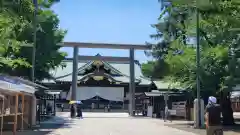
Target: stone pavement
[105,124]
[116,124]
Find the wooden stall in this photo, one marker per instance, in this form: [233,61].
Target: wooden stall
[15,104]
[13,114]
[2,98]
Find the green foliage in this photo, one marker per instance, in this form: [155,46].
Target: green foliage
[219,27]
[16,24]
[155,69]
[219,43]
[11,26]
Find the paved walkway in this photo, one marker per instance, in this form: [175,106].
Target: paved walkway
[115,124]
[106,124]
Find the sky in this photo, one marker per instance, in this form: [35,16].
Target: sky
[108,21]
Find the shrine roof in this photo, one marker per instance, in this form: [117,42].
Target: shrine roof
[122,68]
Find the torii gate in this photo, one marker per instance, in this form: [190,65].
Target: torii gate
[130,47]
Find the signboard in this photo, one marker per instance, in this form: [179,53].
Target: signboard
[180,108]
[150,111]
[173,112]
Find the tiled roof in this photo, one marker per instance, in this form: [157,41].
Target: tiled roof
[17,84]
[65,74]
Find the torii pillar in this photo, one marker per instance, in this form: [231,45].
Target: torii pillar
[132,84]
[74,75]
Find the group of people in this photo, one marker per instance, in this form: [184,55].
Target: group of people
[78,109]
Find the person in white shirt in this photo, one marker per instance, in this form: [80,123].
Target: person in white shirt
[166,114]
[93,106]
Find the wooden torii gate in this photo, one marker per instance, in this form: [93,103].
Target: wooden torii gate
[130,47]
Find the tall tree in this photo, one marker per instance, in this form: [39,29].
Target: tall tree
[155,69]
[49,35]
[219,28]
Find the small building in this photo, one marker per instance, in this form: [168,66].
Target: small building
[159,99]
[46,104]
[171,94]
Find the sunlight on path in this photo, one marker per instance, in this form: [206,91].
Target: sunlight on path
[115,124]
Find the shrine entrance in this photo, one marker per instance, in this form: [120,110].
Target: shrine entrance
[100,98]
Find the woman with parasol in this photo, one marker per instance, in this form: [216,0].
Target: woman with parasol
[72,109]
[79,109]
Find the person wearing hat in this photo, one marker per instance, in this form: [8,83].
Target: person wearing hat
[213,117]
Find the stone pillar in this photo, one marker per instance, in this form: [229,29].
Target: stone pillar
[33,109]
[54,105]
[74,73]
[196,113]
[132,84]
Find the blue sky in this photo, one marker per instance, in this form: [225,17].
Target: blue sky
[108,21]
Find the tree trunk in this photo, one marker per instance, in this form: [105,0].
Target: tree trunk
[227,111]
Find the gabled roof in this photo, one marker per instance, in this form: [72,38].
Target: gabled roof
[122,68]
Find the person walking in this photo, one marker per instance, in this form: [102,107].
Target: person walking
[79,111]
[166,114]
[49,109]
[62,107]
[72,109]
[92,107]
[108,107]
[213,117]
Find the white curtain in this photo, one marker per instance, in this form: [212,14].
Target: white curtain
[108,93]
[111,93]
[84,93]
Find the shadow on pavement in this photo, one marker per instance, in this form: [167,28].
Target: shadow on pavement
[189,127]
[46,128]
[235,128]
[102,117]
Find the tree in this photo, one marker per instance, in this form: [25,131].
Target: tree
[49,35]
[219,28]
[11,25]
[154,69]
